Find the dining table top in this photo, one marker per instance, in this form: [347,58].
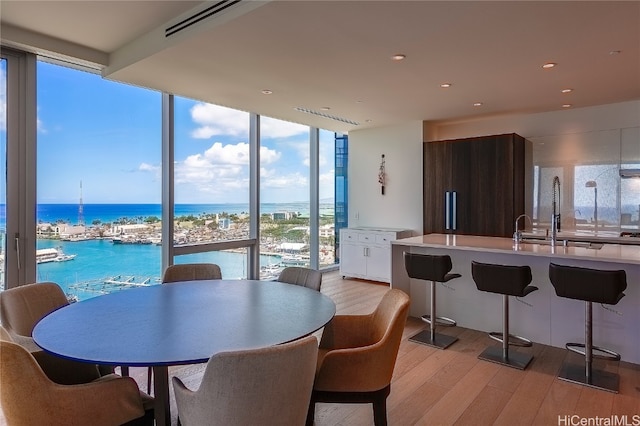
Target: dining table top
[183,322]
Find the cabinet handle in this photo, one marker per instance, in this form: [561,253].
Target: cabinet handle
[450,210]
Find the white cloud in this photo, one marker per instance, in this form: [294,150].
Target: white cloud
[220,169]
[271,128]
[216,120]
[145,167]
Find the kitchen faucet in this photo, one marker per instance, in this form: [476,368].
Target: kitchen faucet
[517,235]
[555,216]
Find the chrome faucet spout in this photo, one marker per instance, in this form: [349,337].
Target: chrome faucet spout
[555,215]
[517,235]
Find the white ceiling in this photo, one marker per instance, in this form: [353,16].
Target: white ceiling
[336,54]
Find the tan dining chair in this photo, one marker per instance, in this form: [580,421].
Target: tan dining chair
[20,310]
[187,272]
[22,307]
[28,397]
[191,271]
[357,355]
[298,275]
[268,387]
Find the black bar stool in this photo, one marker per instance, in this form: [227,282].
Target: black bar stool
[434,268]
[589,285]
[508,281]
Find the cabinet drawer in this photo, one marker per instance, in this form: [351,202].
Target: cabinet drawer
[385,238]
[367,238]
[349,236]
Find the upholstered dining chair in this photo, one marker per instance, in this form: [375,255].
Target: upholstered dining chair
[22,307]
[20,310]
[187,272]
[266,386]
[298,275]
[29,397]
[191,271]
[357,355]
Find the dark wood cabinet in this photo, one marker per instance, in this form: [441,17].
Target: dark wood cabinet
[491,178]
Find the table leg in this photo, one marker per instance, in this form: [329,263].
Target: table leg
[161,394]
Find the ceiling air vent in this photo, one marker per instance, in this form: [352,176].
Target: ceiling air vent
[325,115]
[203,14]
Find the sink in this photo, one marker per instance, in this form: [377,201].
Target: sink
[560,243]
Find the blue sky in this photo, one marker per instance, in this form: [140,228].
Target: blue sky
[108,136]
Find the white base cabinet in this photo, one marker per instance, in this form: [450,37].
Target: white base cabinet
[366,252]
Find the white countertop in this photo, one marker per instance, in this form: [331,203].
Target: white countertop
[617,253]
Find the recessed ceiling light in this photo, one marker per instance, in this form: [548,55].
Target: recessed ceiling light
[267,92]
[398,57]
[446,85]
[549,65]
[477,104]
[325,108]
[567,90]
[566,105]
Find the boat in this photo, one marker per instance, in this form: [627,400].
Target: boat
[52,255]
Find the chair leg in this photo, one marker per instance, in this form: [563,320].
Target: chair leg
[311,412]
[503,356]
[429,336]
[598,379]
[149,374]
[380,411]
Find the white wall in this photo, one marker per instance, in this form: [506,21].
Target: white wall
[401,206]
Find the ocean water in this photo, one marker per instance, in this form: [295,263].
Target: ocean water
[99,260]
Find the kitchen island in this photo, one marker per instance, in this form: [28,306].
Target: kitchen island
[542,316]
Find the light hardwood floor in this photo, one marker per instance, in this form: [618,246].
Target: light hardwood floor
[452,387]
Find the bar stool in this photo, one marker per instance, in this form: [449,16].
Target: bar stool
[508,281]
[434,268]
[589,285]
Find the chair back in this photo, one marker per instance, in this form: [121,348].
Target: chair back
[22,307]
[192,271]
[389,320]
[268,386]
[23,385]
[501,279]
[427,267]
[298,275]
[590,285]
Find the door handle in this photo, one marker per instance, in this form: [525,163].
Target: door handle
[450,210]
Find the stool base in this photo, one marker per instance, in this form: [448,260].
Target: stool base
[444,321]
[602,380]
[513,339]
[513,359]
[440,341]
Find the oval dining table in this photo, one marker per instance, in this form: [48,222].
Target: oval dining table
[181,323]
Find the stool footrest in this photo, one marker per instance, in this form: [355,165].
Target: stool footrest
[440,341]
[443,321]
[599,379]
[604,353]
[513,339]
[495,354]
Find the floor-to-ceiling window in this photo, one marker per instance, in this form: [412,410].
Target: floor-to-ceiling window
[98,182]
[97,223]
[211,184]
[284,195]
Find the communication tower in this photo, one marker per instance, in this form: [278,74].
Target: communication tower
[81,208]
